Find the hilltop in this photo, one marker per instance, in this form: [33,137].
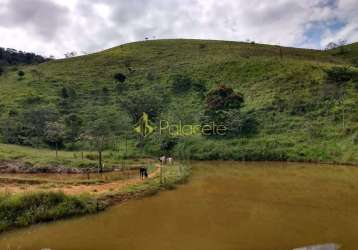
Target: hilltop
[302,103]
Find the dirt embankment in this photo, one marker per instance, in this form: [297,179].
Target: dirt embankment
[96,187]
[28,168]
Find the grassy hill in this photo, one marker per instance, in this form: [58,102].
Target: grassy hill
[301,112]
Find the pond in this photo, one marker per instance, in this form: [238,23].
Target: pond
[226,206]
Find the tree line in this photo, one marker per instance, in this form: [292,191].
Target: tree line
[11,57]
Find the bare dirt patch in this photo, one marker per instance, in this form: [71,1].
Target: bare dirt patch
[12,186]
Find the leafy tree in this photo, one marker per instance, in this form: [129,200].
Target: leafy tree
[70,54]
[98,133]
[12,130]
[73,127]
[331,45]
[341,45]
[223,107]
[54,133]
[103,128]
[337,79]
[9,57]
[222,98]
[35,121]
[151,101]
[28,127]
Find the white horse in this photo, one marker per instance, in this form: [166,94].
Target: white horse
[162,160]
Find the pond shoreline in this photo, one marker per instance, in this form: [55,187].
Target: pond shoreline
[20,210]
[222,206]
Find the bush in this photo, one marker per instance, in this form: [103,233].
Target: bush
[223,98]
[340,75]
[21,74]
[180,83]
[223,107]
[120,77]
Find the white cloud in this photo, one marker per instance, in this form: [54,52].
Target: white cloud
[58,26]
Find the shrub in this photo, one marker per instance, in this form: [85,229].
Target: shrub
[120,77]
[223,107]
[21,74]
[223,97]
[180,83]
[340,74]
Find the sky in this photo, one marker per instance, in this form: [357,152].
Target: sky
[55,27]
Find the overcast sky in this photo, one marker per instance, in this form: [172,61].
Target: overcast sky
[53,27]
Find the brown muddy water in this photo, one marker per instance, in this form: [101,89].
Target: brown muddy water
[225,206]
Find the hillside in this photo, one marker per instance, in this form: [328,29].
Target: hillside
[298,112]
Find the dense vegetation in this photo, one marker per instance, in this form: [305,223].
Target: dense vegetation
[286,103]
[11,57]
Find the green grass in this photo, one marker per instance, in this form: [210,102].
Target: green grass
[170,177]
[19,210]
[47,157]
[299,115]
[26,209]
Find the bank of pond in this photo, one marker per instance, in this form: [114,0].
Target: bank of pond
[224,205]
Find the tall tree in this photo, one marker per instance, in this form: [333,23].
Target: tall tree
[98,133]
[105,125]
[55,133]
